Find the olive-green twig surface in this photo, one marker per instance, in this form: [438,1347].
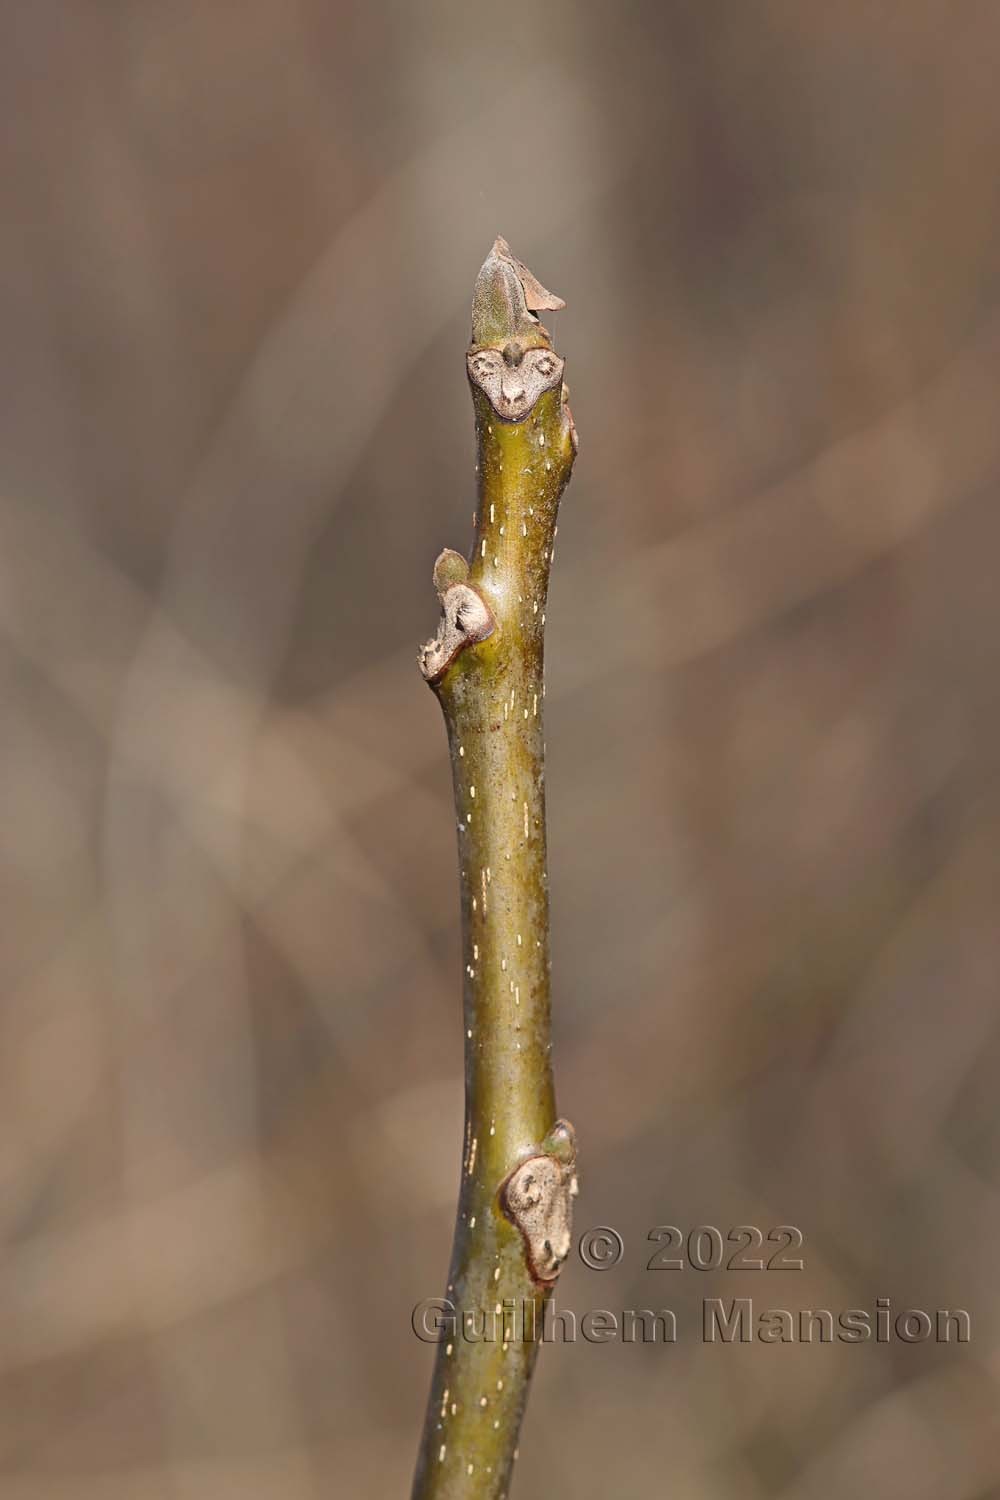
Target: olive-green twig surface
[485,664]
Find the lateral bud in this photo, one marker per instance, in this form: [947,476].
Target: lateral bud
[449,568]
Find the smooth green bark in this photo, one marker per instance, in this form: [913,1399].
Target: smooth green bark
[492,695]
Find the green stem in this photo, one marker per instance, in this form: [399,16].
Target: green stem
[486,667]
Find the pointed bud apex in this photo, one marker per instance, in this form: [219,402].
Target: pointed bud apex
[505,301]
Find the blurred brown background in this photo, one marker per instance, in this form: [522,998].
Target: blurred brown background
[238,248]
